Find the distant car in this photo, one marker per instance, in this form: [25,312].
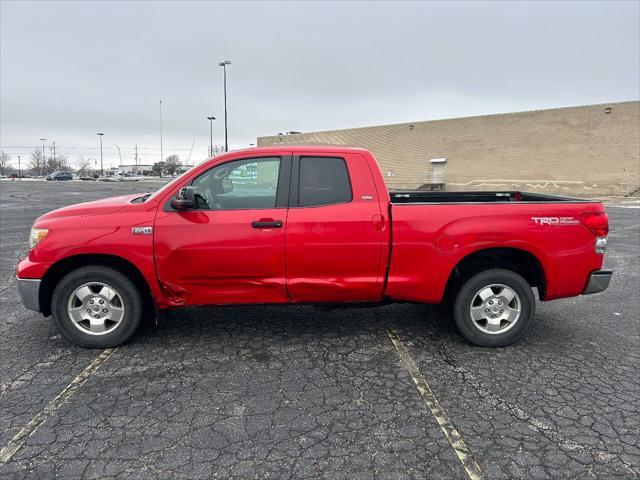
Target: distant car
[60,176]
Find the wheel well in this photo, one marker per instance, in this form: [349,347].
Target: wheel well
[518,261]
[60,269]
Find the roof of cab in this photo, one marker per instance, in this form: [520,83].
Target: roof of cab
[293,147]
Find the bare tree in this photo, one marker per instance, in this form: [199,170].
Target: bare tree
[217,149]
[84,166]
[60,162]
[37,162]
[171,164]
[5,160]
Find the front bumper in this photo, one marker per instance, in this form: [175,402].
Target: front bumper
[598,281]
[29,290]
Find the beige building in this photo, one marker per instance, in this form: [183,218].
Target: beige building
[588,150]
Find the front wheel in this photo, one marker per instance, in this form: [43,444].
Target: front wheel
[97,307]
[494,308]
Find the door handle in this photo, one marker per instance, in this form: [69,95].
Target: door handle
[267,224]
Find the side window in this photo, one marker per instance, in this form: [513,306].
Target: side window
[246,184]
[323,181]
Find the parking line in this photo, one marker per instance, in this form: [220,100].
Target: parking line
[453,436]
[16,443]
[540,427]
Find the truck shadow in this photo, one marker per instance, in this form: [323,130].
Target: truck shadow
[290,322]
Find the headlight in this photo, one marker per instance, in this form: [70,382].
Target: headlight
[36,235]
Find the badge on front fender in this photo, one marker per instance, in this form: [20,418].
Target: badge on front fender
[142,230]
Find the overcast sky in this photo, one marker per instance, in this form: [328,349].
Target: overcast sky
[71,69]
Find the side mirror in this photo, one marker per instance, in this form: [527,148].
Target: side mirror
[185,199]
[227,185]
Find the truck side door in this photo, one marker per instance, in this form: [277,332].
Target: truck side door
[336,232]
[230,249]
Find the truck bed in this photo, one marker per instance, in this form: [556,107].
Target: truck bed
[433,231]
[423,196]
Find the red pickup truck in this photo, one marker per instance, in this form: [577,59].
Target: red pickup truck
[316,225]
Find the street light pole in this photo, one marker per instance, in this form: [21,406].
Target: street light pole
[211,119]
[101,167]
[224,64]
[161,158]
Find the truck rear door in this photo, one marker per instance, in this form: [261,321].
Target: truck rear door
[336,233]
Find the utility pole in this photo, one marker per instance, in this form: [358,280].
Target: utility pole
[224,64]
[211,119]
[43,155]
[136,157]
[53,146]
[101,165]
[161,157]
[18,167]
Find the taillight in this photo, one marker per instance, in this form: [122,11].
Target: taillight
[596,222]
[601,245]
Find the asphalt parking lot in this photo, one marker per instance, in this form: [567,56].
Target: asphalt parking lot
[273,392]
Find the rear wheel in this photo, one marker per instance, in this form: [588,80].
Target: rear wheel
[494,308]
[96,306]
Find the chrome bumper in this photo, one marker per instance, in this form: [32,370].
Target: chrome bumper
[29,290]
[598,281]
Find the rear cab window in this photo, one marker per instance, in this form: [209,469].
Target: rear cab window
[323,181]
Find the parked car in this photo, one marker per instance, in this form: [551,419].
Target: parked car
[298,224]
[60,176]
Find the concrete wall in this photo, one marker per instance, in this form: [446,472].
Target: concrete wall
[575,150]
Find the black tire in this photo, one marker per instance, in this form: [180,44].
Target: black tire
[131,299]
[469,329]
